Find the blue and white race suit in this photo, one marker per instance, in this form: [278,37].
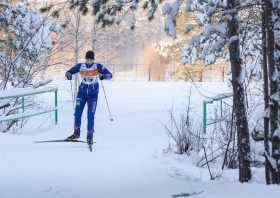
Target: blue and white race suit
[88,92]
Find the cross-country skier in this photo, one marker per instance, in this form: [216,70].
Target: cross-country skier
[88,92]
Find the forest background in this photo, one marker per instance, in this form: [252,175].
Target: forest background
[129,54]
[137,49]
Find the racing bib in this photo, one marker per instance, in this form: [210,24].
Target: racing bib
[89,75]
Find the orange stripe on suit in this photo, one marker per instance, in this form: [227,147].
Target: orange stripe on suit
[89,73]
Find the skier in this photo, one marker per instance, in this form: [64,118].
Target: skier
[88,92]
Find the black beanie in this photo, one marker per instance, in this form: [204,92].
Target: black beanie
[90,55]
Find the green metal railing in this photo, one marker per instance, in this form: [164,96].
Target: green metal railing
[25,116]
[204,111]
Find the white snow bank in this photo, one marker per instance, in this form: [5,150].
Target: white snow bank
[215,97]
[128,158]
[4,102]
[27,114]
[20,91]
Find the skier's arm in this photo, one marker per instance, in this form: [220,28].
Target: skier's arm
[102,70]
[73,70]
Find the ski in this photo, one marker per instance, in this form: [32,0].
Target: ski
[60,141]
[48,141]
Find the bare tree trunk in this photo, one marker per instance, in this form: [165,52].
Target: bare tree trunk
[78,20]
[239,98]
[277,68]
[94,36]
[273,76]
[266,98]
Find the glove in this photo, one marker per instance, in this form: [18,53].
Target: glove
[68,76]
[101,77]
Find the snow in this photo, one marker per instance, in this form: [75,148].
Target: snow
[150,14]
[133,4]
[33,35]
[275,75]
[4,102]
[211,11]
[277,132]
[92,2]
[132,25]
[188,28]
[188,5]
[97,16]
[186,54]
[118,20]
[128,159]
[266,113]
[215,97]
[216,46]
[26,114]
[233,39]
[20,91]
[154,6]
[195,40]
[40,83]
[275,96]
[165,8]
[169,22]
[272,161]
[195,54]
[145,4]
[205,51]
[241,78]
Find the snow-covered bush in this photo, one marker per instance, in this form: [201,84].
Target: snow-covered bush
[26,35]
[187,138]
[184,130]
[219,142]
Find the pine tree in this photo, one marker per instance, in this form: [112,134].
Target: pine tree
[171,48]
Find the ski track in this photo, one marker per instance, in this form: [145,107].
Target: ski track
[127,160]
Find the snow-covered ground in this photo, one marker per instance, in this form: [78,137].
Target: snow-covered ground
[128,158]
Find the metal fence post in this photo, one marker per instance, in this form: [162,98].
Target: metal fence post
[56,106]
[22,104]
[204,117]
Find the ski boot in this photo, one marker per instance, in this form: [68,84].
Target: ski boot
[74,136]
[89,141]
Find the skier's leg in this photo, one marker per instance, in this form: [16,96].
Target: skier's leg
[80,104]
[92,103]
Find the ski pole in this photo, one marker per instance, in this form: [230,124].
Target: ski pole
[106,101]
[72,96]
